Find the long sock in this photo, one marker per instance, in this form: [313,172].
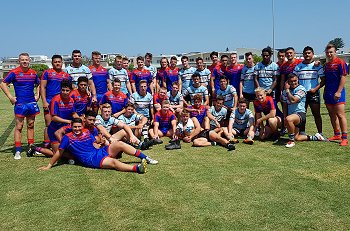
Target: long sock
[18,146]
[291,137]
[38,149]
[344,135]
[30,141]
[140,155]
[337,132]
[312,138]
[135,168]
[145,131]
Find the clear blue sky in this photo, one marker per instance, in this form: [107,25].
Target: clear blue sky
[167,27]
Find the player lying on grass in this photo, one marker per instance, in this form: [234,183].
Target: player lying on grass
[80,143]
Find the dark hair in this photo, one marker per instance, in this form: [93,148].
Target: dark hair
[76,120]
[140,58]
[308,48]
[90,113]
[290,48]
[56,57]
[220,97]
[148,55]
[214,53]
[184,57]
[291,75]
[95,53]
[281,51]
[242,100]
[82,79]
[267,49]
[129,104]
[66,83]
[196,75]
[223,56]
[116,81]
[197,97]
[223,77]
[173,58]
[199,58]
[248,54]
[76,52]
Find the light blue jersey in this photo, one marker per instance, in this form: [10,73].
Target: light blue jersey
[308,74]
[299,92]
[75,73]
[228,95]
[132,120]
[175,100]
[247,76]
[205,76]
[151,69]
[186,77]
[122,75]
[219,115]
[107,124]
[266,73]
[143,104]
[242,121]
[192,91]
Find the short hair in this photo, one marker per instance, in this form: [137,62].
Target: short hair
[199,58]
[164,58]
[95,53]
[56,57]
[173,58]
[197,97]
[143,81]
[106,105]
[117,81]
[66,83]
[76,52]
[223,77]
[23,54]
[290,48]
[119,57]
[223,56]
[129,104]
[292,75]
[83,79]
[259,89]
[242,100]
[140,58]
[175,83]
[195,75]
[281,51]
[233,53]
[164,102]
[308,48]
[329,46]
[90,113]
[125,58]
[220,97]
[184,57]
[268,50]
[163,88]
[248,54]
[148,55]
[185,111]
[214,53]
[76,120]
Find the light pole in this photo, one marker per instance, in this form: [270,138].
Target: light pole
[273,29]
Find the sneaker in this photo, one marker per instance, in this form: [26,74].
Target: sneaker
[31,150]
[344,142]
[144,145]
[333,138]
[174,145]
[142,167]
[213,143]
[283,131]
[257,132]
[156,141]
[290,144]
[248,141]
[234,141]
[71,162]
[230,147]
[17,156]
[320,137]
[151,161]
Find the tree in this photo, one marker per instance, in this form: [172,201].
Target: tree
[39,68]
[257,58]
[337,42]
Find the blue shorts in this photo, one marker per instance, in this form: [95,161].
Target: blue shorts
[98,98]
[26,110]
[51,133]
[164,130]
[328,97]
[95,160]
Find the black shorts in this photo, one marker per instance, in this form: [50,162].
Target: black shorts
[302,116]
[204,134]
[239,132]
[313,98]
[249,97]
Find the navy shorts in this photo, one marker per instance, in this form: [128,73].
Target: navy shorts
[96,159]
[249,97]
[26,110]
[302,116]
[329,97]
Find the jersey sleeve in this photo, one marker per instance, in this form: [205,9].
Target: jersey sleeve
[10,77]
[45,75]
[64,143]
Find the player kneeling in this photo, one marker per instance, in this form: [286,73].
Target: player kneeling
[80,142]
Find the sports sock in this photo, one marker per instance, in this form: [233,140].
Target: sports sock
[311,138]
[337,132]
[30,141]
[291,137]
[344,135]
[18,146]
[140,155]
[145,131]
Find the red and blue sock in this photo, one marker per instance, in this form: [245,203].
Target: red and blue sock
[18,146]
[140,155]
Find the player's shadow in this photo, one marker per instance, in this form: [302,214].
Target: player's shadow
[281,141]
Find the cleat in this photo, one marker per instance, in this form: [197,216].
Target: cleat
[174,145]
[290,144]
[230,146]
[142,167]
[17,156]
[31,150]
[151,161]
[333,138]
[234,141]
[248,141]
[144,145]
[156,141]
[344,142]
[320,137]
[71,162]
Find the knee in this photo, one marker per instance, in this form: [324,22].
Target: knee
[30,125]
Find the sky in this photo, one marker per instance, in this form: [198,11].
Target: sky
[134,27]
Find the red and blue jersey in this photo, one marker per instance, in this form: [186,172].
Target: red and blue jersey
[160,75]
[157,99]
[99,77]
[164,120]
[23,83]
[61,108]
[199,115]
[213,66]
[287,68]
[54,79]
[333,72]
[217,72]
[138,75]
[233,73]
[93,130]
[117,101]
[264,107]
[81,100]
[171,76]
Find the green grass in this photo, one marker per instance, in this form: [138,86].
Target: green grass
[259,187]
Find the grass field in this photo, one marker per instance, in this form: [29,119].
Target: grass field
[259,187]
